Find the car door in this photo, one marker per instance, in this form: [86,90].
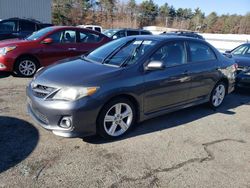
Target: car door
[63,46]
[168,87]
[203,69]
[87,41]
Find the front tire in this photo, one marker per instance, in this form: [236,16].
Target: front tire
[26,67]
[116,118]
[217,95]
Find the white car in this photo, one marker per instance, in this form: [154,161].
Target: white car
[93,27]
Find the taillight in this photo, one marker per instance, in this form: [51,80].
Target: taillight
[235,66]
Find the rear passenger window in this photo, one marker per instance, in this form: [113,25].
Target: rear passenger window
[86,37]
[130,33]
[200,52]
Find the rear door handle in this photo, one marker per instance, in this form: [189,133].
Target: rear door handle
[72,49]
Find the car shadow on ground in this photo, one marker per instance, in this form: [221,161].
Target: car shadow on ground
[18,139]
[178,118]
[5,74]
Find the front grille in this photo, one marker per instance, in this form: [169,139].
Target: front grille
[42,91]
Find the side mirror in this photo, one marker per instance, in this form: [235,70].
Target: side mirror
[47,41]
[155,65]
[228,52]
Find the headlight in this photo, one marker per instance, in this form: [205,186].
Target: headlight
[71,94]
[5,50]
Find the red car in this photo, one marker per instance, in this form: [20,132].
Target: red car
[48,45]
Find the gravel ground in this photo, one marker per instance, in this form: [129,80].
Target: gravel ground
[195,147]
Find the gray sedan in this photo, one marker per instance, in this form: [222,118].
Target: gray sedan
[128,81]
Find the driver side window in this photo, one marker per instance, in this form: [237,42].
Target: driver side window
[171,54]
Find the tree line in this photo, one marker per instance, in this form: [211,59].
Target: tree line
[129,14]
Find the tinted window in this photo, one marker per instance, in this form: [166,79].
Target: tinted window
[26,26]
[98,29]
[171,54]
[200,52]
[86,37]
[130,33]
[7,26]
[67,36]
[110,32]
[145,33]
[120,34]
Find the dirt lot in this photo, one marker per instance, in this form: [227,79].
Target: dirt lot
[195,147]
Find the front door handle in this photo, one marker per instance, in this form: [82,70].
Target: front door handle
[72,49]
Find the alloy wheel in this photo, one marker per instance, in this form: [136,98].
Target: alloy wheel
[27,67]
[118,119]
[218,95]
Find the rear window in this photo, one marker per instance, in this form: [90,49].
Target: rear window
[98,29]
[130,33]
[145,33]
[201,52]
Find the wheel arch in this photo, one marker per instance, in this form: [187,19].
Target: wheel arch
[26,55]
[130,97]
[226,82]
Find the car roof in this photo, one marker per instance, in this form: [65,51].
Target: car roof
[24,19]
[76,28]
[164,37]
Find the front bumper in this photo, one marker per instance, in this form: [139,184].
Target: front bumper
[49,114]
[6,63]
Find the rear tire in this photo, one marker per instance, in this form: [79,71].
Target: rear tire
[26,67]
[116,118]
[217,95]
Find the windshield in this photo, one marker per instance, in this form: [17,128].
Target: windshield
[39,33]
[121,51]
[243,50]
[110,32]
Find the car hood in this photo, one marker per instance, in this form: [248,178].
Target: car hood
[13,42]
[242,61]
[76,72]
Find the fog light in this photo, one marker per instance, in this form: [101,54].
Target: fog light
[66,122]
[2,66]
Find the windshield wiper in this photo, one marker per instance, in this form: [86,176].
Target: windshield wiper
[83,57]
[128,59]
[116,51]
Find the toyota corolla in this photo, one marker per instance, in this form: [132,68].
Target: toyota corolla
[128,81]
